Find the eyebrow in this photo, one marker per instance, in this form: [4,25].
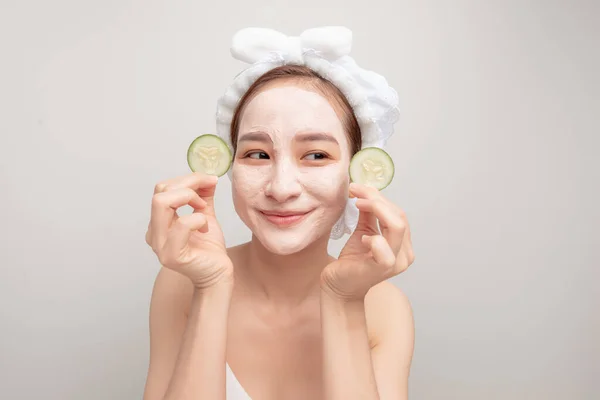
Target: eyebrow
[301,137]
[316,136]
[255,137]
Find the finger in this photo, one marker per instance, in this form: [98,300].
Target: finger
[381,250]
[369,192]
[201,183]
[195,181]
[407,246]
[204,185]
[367,222]
[176,243]
[149,234]
[162,186]
[362,191]
[392,225]
[392,219]
[207,192]
[204,228]
[164,208]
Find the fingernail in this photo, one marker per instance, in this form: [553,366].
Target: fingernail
[351,188]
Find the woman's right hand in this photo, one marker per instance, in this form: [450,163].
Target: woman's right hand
[193,244]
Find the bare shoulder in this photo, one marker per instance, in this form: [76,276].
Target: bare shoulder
[388,313]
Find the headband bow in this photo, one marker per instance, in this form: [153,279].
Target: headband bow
[252,45]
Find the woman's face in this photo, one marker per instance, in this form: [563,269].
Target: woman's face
[292,158]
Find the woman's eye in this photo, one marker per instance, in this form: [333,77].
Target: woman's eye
[317,156]
[258,155]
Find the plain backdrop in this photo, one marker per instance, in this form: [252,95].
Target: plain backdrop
[496,168]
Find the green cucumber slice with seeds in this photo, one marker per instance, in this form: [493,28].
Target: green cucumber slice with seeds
[372,166]
[209,154]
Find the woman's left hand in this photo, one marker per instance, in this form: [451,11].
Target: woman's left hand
[370,256]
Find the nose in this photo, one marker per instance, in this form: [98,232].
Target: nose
[283,184]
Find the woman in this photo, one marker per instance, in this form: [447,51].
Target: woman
[278,317]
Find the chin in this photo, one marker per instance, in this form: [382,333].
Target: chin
[282,248]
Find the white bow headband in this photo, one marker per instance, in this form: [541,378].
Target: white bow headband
[252,45]
[326,51]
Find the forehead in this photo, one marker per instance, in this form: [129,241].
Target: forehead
[289,108]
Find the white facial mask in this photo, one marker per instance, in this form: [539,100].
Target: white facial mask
[282,174]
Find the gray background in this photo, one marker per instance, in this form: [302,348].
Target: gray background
[495,168]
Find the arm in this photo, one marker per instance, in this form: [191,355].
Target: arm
[355,293]
[390,315]
[347,367]
[187,353]
[356,367]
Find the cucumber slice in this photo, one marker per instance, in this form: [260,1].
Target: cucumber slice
[209,154]
[372,166]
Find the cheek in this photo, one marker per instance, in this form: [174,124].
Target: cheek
[247,182]
[328,183]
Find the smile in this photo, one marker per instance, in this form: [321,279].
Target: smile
[284,218]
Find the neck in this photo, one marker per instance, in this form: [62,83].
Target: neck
[285,280]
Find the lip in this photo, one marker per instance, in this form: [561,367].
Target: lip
[284,218]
